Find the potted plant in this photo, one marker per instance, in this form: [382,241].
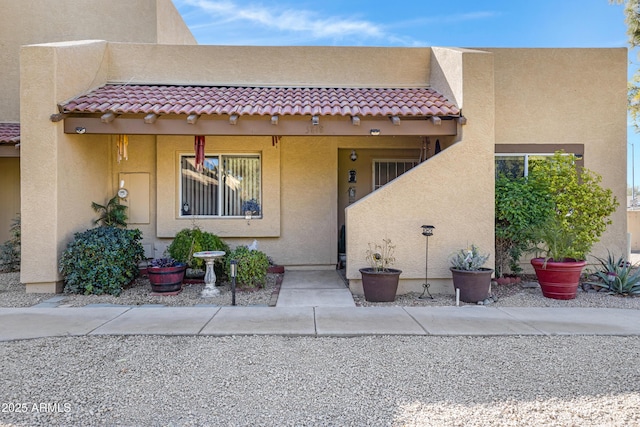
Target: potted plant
[558,270]
[380,282]
[469,276]
[166,274]
[580,214]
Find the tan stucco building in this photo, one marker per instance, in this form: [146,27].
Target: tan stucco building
[295,117]
[28,22]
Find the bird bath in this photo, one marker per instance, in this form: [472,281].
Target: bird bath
[209,258]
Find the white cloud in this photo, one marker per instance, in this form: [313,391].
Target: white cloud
[283,20]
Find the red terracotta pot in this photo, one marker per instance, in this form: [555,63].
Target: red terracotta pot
[558,280]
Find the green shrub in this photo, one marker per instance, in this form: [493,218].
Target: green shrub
[10,250]
[191,240]
[522,204]
[101,260]
[252,266]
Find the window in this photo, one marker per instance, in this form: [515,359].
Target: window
[228,186]
[385,171]
[517,165]
[515,160]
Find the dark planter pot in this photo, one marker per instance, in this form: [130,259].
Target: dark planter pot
[474,285]
[558,280]
[380,286]
[166,279]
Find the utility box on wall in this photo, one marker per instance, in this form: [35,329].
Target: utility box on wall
[138,198]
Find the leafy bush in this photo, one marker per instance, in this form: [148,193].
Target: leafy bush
[252,266]
[191,240]
[10,250]
[101,260]
[581,207]
[618,276]
[522,204]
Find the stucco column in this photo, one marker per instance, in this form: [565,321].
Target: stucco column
[60,174]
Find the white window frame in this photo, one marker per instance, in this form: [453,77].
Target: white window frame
[526,157]
[220,199]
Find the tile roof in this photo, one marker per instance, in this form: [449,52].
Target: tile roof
[209,100]
[9,133]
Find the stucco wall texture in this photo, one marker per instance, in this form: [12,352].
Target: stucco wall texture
[454,191]
[29,22]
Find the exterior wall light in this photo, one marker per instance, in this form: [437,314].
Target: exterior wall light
[427,230]
[374,132]
[233,271]
[80,130]
[354,156]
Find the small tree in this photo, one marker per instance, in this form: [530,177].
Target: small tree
[581,207]
[113,214]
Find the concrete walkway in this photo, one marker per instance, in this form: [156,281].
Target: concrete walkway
[25,323]
[323,288]
[311,303]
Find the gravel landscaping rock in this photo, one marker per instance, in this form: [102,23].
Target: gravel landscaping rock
[12,294]
[278,381]
[303,381]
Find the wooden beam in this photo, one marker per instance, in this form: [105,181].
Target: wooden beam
[192,118]
[108,117]
[259,126]
[395,120]
[315,120]
[436,120]
[274,120]
[150,118]
[462,120]
[58,117]
[233,119]
[355,120]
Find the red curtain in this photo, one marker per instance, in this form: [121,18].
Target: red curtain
[199,148]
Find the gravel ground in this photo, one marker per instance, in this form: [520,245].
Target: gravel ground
[278,381]
[516,295]
[12,294]
[303,381]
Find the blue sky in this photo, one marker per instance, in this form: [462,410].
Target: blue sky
[464,23]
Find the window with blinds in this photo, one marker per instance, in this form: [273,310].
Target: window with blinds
[228,186]
[385,171]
